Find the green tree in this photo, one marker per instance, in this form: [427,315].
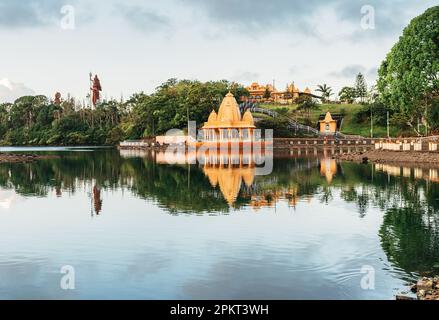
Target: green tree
[325,91]
[306,103]
[174,103]
[280,127]
[347,94]
[409,76]
[361,87]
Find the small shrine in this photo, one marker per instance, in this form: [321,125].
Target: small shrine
[328,124]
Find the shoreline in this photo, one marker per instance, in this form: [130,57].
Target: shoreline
[425,289]
[391,157]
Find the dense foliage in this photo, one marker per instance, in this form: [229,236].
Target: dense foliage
[34,120]
[347,94]
[409,77]
[173,103]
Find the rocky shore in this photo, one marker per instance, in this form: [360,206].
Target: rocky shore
[391,157]
[21,158]
[425,289]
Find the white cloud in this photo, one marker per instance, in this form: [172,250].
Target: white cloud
[10,91]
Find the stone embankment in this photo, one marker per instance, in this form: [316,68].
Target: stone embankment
[425,289]
[394,157]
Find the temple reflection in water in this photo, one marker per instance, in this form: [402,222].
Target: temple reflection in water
[383,211]
[232,180]
[229,179]
[234,174]
[328,168]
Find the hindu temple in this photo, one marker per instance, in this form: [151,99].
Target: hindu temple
[228,125]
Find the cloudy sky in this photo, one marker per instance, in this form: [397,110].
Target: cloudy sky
[136,45]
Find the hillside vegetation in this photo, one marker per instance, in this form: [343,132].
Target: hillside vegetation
[356,119]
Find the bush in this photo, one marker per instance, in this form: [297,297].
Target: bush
[379,111]
[279,127]
[76,138]
[115,136]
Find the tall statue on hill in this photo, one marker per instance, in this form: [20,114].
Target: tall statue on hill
[95,89]
[57,99]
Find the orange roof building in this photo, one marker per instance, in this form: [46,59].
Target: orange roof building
[259,93]
[328,125]
[228,125]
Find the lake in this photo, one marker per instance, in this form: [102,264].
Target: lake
[126,225]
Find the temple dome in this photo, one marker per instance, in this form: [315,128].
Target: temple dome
[307,90]
[229,181]
[212,117]
[248,175]
[248,117]
[229,109]
[212,174]
[328,117]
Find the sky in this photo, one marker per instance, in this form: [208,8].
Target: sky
[49,45]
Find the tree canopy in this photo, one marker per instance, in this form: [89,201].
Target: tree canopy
[360,87]
[347,94]
[326,92]
[409,76]
[34,120]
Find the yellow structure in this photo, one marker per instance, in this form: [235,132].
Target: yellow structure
[328,168]
[258,93]
[328,125]
[228,125]
[307,91]
[229,179]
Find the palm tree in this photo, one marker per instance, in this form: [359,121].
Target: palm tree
[325,90]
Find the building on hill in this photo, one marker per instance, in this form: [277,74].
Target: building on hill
[269,93]
[330,123]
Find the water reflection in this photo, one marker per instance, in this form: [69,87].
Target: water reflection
[216,186]
[328,168]
[404,200]
[97,201]
[229,179]
[429,174]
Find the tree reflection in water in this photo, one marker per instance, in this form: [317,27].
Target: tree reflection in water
[408,197]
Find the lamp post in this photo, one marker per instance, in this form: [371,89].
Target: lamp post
[388,126]
[187,115]
[426,121]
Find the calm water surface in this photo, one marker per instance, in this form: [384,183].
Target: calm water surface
[134,228]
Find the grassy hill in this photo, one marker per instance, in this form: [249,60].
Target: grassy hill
[350,123]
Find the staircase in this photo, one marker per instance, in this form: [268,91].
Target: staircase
[292,124]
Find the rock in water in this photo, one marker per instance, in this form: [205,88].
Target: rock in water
[424,284]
